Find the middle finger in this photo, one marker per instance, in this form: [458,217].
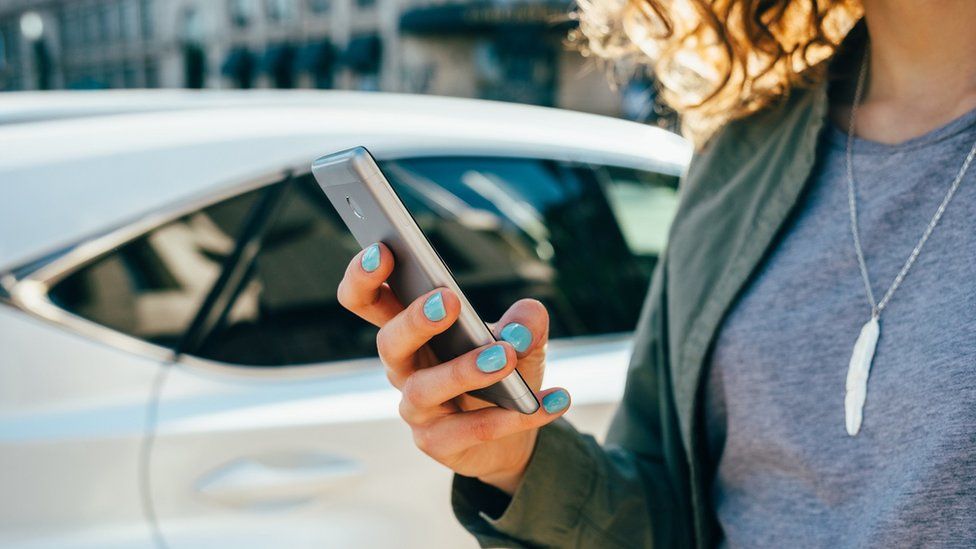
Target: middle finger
[399,341]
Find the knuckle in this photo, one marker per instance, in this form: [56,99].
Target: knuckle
[410,414]
[404,410]
[424,440]
[381,342]
[385,344]
[414,393]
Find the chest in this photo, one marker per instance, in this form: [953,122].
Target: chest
[780,360]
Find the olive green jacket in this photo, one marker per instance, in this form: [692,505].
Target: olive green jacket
[648,485]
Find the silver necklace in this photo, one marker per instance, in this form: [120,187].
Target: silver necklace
[860,365]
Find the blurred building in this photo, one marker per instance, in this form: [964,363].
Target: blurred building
[497,49]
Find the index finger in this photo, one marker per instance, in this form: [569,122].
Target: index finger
[363,289]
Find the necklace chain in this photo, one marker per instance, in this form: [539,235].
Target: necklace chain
[878,306]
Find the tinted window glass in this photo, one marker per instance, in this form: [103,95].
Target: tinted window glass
[513,228]
[152,287]
[287,313]
[644,204]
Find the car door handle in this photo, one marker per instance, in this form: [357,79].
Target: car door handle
[277,479]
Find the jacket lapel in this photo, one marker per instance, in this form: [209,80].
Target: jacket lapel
[736,198]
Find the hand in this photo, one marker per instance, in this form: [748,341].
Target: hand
[468,435]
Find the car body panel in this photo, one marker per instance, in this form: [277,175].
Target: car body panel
[210,422]
[72,418]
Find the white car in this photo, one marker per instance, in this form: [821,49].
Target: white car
[174,367]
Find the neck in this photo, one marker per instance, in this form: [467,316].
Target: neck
[922,68]
[921,50]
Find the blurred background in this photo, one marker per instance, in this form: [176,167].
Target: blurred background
[510,50]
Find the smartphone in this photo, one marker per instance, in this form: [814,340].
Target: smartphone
[374,213]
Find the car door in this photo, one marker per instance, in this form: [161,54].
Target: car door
[275,424]
[71,426]
[83,336]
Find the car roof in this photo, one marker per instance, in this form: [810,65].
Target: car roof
[75,164]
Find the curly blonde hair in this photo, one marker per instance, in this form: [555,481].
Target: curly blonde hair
[717,60]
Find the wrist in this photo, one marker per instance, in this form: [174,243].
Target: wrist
[506,482]
[509,478]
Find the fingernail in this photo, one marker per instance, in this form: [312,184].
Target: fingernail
[434,307]
[371,258]
[519,336]
[491,359]
[555,401]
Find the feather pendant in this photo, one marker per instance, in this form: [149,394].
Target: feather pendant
[857,375]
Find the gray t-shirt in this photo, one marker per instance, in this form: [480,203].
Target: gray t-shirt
[786,472]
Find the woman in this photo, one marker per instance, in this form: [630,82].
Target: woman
[831,203]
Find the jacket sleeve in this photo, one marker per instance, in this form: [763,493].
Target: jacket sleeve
[577,493]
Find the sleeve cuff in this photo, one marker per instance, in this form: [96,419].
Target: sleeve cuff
[546,506]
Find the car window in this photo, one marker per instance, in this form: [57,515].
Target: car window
[151,287]
[582,239]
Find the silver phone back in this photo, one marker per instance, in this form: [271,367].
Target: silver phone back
[374,213]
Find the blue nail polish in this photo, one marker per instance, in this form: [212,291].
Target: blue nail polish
[519,336]
[555,401]
[371,258]
[434,307]
[491,359]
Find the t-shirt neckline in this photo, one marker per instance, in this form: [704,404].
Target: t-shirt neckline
[838,137]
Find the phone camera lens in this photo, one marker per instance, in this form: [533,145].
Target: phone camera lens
[355,207]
